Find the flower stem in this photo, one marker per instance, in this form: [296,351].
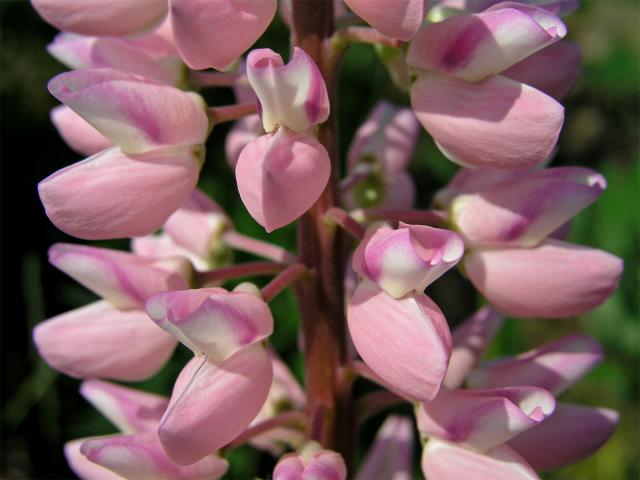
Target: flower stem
[248,269]
[238,241]
[229,113]
[339,217]
[286,418]
[420,217]
[285,278]
[213,79]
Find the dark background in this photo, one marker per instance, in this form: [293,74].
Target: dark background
[41,409]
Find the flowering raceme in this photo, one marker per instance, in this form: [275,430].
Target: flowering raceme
[484,79]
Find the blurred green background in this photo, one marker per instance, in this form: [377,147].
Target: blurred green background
[41,409]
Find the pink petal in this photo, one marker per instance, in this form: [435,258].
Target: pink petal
[99,341]
[76,132]
[474,47]
[141,457]
[570,434]
[555,366]
[391,455]
[280,176]
[161,246]
[408,258]
[400,19]
[316,465]
[114,195]
[447,461]
[553,280]
[212,404]
[125,280]
[470,339]
[498,123]
[400,192]
[82,466]
[128,409]
[243,132]
[101,17]
[212,321]
[198,224]
[484,419]
[73,50]
[526,209]
[135,113]
[553,70]
[406,342]
[214,33]
[292,95]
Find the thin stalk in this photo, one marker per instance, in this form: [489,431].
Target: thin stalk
[341,218]
[298,419]
[213,79]
[285,278]
[248,269]
[229,113]
[420,217]
[238,241]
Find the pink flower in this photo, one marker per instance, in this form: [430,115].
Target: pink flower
[391,455]
[77,133]
[400,19]
[311,464]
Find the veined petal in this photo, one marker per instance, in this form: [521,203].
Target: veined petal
[98,341]
[408,258]
[399,19]
[292,95]
[526,209]
[212,321]
[553,280]
[570,434]
[498,123]
[555,366]
[474,47]
[447,461]
[124,279]
[138,114]
[391,455]
[214,33]
[470,339]
[115,195]
[280,176]
[101,17]
[484,419]
[130,410]
[76,132]
[212,404]
[406,342]
[141,457]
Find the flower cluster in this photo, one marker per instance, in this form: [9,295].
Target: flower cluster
[484,80]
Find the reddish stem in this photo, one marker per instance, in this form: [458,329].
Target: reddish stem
[229,113]
[344,220]
[285,278]
[238,241]
[248,269]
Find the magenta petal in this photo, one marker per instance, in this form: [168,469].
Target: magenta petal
[280,176]
[214,33]
[99,341]
[141,457]
[399,19]
[211,404]
[474,47]
[130,410]
[406,342]
[484,419]
[447,461]
[391,455]
[113,195]
[553,280]
[135,113]
[212,321]
[555,366]
[124,279]
[82,466]
[553,70]
[570,434]
[76,132]
[101,17]
[497,123]
[526,209]
[470,339]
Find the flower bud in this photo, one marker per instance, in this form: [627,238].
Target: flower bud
[311,464]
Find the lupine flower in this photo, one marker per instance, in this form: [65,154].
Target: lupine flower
[220,391]
[397,330]
[400,19]
[111,338]
[506,219]
[158,132]
[476,116]
[281,175]
[136,453]
[312,463]
[378,158]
